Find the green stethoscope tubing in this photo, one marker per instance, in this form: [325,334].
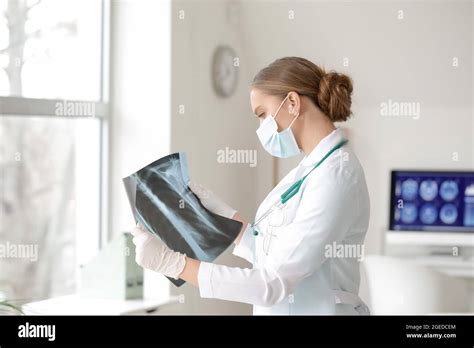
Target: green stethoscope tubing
[293,189]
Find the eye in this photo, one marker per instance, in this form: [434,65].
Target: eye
[261,115]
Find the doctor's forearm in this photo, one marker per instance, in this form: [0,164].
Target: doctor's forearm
[190,271]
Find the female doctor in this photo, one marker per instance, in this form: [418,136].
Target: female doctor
[296,239]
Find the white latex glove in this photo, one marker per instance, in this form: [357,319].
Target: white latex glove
[211,201]
[153,254]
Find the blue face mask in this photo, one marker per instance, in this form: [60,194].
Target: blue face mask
[281,144]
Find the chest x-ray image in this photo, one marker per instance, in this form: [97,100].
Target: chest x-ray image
[163,203]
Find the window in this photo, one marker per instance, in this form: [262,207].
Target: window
[53,122]
[50,49]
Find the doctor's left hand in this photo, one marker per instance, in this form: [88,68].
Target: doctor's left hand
[153,254]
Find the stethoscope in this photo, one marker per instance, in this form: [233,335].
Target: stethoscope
[294,188]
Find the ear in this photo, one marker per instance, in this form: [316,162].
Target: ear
[294,103]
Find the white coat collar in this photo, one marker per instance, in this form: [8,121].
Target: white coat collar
[323,147]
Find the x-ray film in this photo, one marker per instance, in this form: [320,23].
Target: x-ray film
[163,203]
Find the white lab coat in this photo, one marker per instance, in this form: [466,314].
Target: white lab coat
[299,275]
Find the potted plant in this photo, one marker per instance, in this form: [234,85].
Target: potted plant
[9,308]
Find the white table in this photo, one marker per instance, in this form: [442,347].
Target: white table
[76,305]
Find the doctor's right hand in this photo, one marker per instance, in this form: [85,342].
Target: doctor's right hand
[212,202]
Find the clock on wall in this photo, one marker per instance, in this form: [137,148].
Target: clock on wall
[224,73]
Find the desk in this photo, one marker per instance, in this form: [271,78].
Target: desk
[452,266]
[76,305]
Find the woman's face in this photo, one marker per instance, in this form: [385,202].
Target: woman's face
[264,105]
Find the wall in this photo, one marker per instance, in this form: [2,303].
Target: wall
[140,105]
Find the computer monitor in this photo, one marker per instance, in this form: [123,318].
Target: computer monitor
[434,204]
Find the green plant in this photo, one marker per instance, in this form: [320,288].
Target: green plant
[8,307]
